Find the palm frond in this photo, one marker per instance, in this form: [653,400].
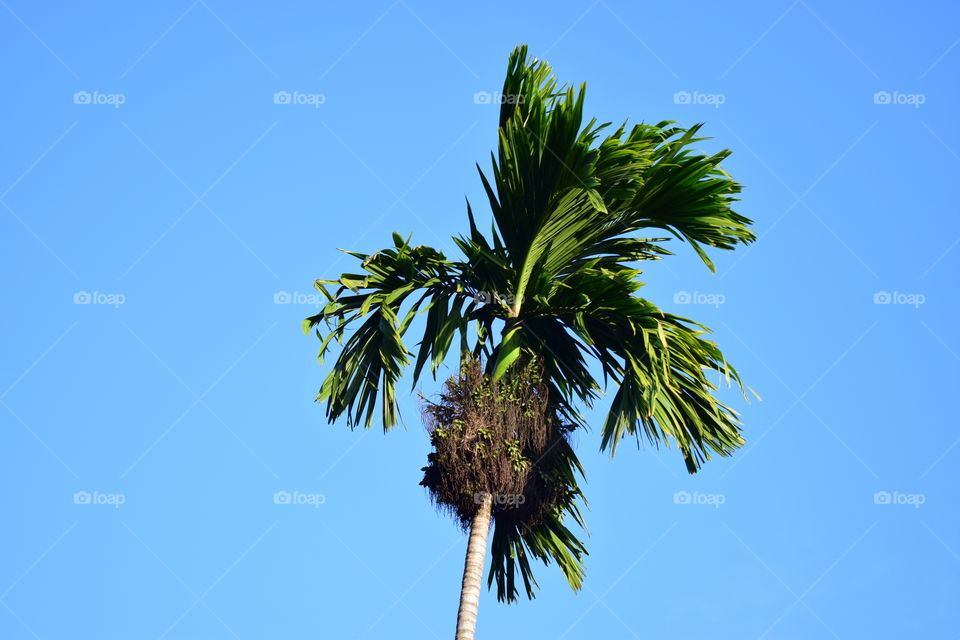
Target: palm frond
[374,355]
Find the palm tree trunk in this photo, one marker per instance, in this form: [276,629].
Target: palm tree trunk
[473,570]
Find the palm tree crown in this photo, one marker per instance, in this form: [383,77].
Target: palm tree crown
[575,207]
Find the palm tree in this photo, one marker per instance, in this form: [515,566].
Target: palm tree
[546,312]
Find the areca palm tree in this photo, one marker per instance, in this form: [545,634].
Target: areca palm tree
[543,313]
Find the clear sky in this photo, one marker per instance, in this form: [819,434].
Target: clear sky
[165,208]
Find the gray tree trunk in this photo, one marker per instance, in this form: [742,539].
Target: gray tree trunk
[473,570]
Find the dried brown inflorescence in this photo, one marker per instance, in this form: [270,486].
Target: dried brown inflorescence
[497,438]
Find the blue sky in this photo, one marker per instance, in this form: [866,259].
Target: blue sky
[163,217]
